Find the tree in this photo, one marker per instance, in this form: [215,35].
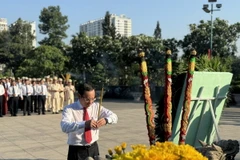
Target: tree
[158,32]
[173,45]
[53,24]
[225,37]
[108,27]
[44,60]
[4,42]
[99,76]
[15,44]
[81,56]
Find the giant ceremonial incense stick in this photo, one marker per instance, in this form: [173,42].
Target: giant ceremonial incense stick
[168,96]
[100,103]
[187,98]
[148,101]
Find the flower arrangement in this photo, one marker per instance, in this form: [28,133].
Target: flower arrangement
[159,151]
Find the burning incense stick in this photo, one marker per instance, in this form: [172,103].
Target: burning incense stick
[100,103]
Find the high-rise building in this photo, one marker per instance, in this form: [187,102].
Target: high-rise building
[122,24]
[3,24]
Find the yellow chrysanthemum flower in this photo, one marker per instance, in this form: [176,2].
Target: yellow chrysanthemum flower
[118,150]
[124,145]
[110,152]
[159,151]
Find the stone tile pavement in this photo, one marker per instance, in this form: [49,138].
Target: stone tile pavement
[39,137]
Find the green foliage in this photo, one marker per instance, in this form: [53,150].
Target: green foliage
[203,63]
[225,37]
[173,45]
[15,44]
[98,76]
[108,27]
[215,64]
[116,55]
[44,60]
[158,32]
[53,24]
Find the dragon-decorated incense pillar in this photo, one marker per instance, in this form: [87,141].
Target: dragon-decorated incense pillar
[168,96]
[187,98]
[147,99]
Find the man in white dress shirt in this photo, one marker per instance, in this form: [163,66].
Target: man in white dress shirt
[42,94]
[13,93]
[74,122]
[27,91]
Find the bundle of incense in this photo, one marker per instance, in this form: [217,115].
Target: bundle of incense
[147,99]
[168,96]
[100,103]
[187,98]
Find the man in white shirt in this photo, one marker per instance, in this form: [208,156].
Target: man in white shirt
[81,121]
[27,91]
[42,94]
[14,93]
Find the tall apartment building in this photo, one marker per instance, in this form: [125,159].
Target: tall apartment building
[3,24]
[122,24]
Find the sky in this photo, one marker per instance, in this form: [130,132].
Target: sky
[174,15]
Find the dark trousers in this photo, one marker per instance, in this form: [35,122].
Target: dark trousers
[34,103]
[41,104]
[13,102]
[20,104]
[9,105]
[27,105]
[1,105]
[82,152]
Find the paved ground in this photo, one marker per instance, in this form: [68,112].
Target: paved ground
[39,137]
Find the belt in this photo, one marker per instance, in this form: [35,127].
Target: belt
[84,147]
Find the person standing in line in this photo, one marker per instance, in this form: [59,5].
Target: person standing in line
[8,84]
[69,93]
[13,93]
[61,94]
[2,92]
[34,97]
[81,120]
[49,95]
[42,94]
[19,85]
[5,97]
[54,89]
[27,91]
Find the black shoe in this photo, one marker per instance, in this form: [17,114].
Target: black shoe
[1,116]
[15,115]
[29,114]
[43,113]
[56,112]
[38,113]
